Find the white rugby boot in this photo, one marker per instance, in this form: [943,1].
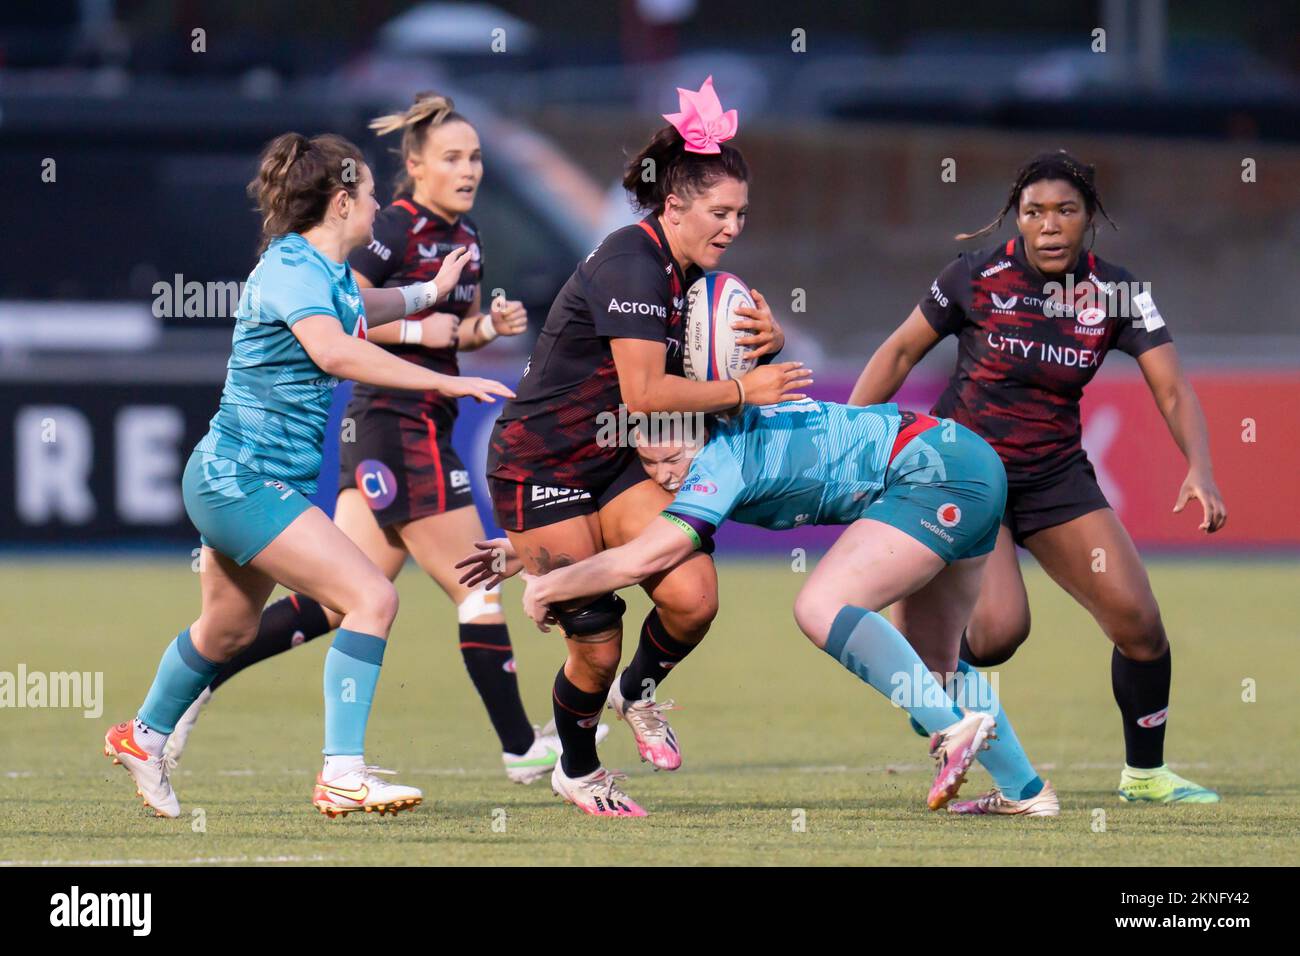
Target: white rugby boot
[954,749]
[361,789]
[540,759]
[995,803]
[598,793]
[181,735]
[655,740]
[150,773]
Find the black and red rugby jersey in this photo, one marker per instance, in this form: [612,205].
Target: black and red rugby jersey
[629,287]
[410,242]
[1025,355]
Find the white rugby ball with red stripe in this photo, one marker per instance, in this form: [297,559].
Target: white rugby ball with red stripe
[711,353]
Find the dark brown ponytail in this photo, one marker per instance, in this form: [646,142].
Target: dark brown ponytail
[297,177]
[664,167]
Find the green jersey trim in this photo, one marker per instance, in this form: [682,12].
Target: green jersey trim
[684,526]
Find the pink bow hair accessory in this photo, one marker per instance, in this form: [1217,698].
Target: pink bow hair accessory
[701,121]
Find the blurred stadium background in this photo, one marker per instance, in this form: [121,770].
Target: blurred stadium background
[130,128]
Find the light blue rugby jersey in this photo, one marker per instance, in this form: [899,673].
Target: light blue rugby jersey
[796,463]
[276,400]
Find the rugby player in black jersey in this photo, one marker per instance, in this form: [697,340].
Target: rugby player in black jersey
[1034,317]
[563,492]
[403,490]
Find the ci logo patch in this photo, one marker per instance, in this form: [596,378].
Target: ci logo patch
[377,482]
[948,514]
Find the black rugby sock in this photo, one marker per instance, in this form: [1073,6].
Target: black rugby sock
[657,653]
[288,622]
[988,660]
[489,658]
[577,712]
[1142,692]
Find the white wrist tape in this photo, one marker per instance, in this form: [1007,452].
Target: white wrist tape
[410,332]
[420,296]
[480,603]
[487,327]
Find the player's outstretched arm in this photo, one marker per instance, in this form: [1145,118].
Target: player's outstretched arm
[1181,409]
[659,547]
[436,330]
[890,364]
[344,356]
[492,562]
[389,305]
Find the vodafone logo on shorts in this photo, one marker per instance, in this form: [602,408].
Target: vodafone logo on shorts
[948,514]
[377,482]
[1154,720]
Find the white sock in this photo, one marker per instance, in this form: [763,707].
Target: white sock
[525,753]
[336,766]
[151,741]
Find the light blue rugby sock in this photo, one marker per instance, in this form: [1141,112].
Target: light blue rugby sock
[351,673]
[869,646]
[1005,759]
[182,675]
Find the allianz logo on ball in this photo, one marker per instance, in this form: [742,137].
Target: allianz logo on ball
[711,352]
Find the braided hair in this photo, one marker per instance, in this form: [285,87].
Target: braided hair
[1060,165]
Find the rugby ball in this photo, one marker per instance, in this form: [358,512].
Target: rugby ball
[711,353]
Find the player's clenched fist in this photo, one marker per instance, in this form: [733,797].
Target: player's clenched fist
[508,316]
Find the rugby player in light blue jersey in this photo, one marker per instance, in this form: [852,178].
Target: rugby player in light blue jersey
[922,499]
[300,327]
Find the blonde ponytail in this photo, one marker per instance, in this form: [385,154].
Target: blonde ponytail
[429,109]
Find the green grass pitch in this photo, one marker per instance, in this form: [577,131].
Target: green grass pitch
[772,731]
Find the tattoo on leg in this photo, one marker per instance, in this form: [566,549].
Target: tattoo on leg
[545,561]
